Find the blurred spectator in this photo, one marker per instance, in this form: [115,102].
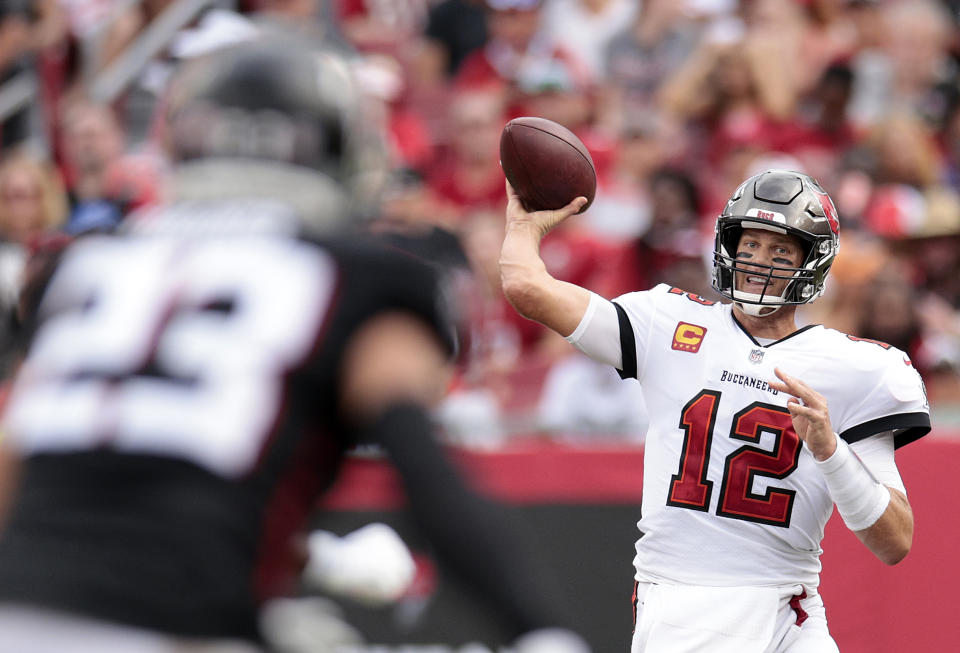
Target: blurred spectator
[31,200]
[889,312]
[104,182]
[376,26]
[560,94]
[936,264]
[517,55]
[673,248]
[799,39]
[32,204]
[92,140]
[585,401]
[466,175]
[455,29]
[919,39]
[410,143]
[830,36]
[823,132]
[594,22]
[862,258]
[894,311]
[948,139]
[572,252]
[733,91]
[621,210]
[642,56]
[512,27]
[734,96]
[906,196]
[905,66]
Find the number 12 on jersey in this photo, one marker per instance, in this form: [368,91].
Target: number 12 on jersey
[690,488]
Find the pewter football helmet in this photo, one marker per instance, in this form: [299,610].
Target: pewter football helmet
[785,202]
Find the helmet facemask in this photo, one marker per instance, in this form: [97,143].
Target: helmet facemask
[805,283]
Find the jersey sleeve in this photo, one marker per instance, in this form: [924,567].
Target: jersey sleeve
[877,455]
[897,402]
[598,334]
[635,313]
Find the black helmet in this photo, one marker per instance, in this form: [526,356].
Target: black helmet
[786,202]
[279,119]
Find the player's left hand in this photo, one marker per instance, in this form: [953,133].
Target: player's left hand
[808,410]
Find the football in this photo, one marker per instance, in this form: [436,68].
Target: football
[546,164]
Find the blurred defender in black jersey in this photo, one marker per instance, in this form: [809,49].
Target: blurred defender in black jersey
[197,378]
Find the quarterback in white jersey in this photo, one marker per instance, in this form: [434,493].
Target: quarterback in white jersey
[757,427]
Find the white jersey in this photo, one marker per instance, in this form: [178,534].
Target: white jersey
[731,496]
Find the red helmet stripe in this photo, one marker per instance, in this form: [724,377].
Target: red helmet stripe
[829,210]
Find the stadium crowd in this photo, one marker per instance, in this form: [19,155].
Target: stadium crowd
[677,100]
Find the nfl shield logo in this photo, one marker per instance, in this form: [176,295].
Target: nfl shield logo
[756,355]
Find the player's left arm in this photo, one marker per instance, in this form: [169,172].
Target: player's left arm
[886,536]
[878,514]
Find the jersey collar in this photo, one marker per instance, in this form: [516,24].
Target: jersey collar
[754,340]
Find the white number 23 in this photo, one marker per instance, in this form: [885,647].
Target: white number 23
[159,347]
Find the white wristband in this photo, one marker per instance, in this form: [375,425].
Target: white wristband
[860,499]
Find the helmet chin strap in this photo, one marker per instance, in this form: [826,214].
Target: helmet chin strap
[755,310]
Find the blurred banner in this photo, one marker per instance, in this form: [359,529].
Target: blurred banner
[581,506]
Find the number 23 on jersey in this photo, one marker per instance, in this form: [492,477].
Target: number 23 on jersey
[157,346]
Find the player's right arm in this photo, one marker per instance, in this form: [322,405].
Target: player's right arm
[526,283]
[393,372]
[394,367]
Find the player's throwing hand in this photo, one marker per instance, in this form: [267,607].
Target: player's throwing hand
[543,221]
[811,419]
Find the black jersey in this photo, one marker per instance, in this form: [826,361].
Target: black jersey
[178,415]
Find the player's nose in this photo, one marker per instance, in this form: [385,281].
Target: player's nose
[764,256]
[756,262]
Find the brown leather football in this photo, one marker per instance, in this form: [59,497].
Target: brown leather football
[546,164]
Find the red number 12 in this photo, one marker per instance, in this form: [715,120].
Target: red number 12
[689,487]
